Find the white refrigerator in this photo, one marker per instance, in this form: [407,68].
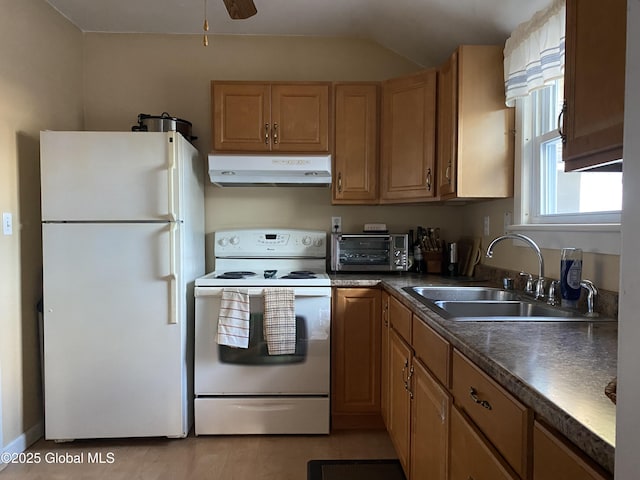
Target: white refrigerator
[123,242]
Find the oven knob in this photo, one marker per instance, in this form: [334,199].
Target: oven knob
[318,242]
[235,240]
[306,241]
[223,242]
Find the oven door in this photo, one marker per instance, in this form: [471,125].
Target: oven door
[222,370]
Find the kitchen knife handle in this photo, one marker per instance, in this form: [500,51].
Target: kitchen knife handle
[266,134]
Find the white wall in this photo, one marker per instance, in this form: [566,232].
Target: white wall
[628,415]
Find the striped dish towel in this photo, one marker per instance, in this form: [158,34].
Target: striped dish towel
[233,319]
[280,321]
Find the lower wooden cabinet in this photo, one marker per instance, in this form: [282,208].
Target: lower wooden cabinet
[399,422]
[430,411]
[554,457]
[472,457]
[355,337]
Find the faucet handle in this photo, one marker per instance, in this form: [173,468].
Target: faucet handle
[552,294]
[529,285]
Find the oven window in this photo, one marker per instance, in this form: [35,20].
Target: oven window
[365,251]
[257,353]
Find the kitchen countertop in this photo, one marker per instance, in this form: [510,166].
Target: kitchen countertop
[558,369]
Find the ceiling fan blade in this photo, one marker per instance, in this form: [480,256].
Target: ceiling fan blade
[240,9]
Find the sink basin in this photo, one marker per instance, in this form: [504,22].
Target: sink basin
[482,304]
[519,309]
[461,293]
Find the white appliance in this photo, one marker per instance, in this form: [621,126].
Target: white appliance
[248,391]
[123,241]
[229,170]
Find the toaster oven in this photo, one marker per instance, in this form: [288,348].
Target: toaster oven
[369,252]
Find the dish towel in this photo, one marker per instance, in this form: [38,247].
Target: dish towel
[233,319]
[280,321]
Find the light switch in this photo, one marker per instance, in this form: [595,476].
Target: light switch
[7,223]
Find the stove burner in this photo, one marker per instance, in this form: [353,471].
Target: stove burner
[300,274]
[235,275]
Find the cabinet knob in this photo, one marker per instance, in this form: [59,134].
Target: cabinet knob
[275,133]
[266,134]
[429,179]
[474,396]
[560,129]
[339,182]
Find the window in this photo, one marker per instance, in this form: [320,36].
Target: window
[556,196]
[551,206]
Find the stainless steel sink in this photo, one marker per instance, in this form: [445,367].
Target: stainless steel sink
[462,293]
[482,304]
[519,309]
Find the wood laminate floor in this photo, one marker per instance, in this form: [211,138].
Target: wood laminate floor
[198,458]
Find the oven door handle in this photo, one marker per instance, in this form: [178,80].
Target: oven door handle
[255,291]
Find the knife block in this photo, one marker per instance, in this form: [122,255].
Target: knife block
[433,261]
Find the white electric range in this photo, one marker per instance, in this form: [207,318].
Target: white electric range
[248,391]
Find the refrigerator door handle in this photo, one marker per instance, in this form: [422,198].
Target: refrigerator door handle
[171,172]
[173,287]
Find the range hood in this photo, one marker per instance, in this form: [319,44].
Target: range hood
[270,170]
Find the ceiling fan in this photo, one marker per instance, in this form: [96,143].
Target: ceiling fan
[240,9]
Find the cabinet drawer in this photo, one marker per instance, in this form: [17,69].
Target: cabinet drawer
[471,457]
[432,349]
[555,458]
[400,319]
[502,418]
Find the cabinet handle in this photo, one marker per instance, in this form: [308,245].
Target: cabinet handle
[474,395]
[409,382]
[275,133]
[447,173]
[404,369]
[560,129]
[339,182]
[266,134]
[429,179]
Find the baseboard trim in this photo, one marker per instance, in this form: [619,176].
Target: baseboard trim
[24,441]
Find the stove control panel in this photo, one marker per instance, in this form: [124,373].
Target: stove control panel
[270,243]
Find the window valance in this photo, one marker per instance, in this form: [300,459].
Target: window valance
[534,54]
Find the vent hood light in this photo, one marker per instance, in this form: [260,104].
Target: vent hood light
[270,170]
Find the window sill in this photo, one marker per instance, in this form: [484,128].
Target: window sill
[594,238]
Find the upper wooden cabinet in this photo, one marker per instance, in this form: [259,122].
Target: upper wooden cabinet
[594,82]
[260,117]
[475,128]
[355,178]
[408,136]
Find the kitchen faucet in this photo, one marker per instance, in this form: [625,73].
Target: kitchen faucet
[539,292]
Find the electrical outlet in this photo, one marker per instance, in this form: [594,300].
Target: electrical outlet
[487,225]
[7,224]
[507,221]
[336,224]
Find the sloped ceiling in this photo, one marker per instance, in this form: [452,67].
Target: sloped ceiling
[424,31]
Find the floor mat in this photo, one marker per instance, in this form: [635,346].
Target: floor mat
[354,470]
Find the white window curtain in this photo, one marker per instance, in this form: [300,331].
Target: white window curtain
[534,54]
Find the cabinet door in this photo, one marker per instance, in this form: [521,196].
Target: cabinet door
[447,126]
[554,458]
[356,144]
[356,356]
[430,410]
[384,368]
[399,401]
[594,82]
[241,116]
[408,138]
[300,117]
[471,457]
